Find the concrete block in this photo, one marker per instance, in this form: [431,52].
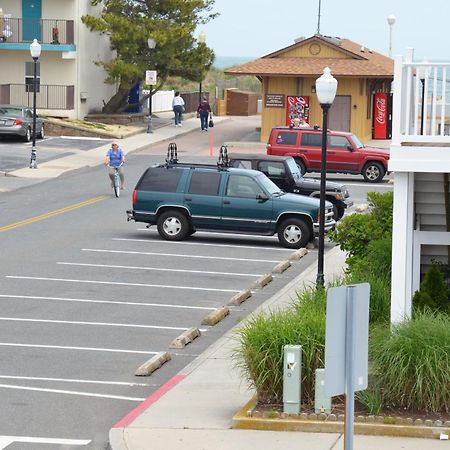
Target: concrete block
[298,254]
[216,316]
[281,267]
[240,297]
[185,338]
[263,281]
[153,364]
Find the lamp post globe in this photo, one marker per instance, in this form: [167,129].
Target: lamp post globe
[35,51]
[326,87]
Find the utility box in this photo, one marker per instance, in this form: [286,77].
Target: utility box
[292,378]
[322,401]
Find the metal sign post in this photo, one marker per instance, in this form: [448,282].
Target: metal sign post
[150,79]
[346,347]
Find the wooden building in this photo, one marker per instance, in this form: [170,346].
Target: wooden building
[288,79]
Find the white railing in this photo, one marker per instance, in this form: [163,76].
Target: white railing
[421,104]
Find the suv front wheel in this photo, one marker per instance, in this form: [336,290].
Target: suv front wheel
[293,233]
[373,172]
[173,225]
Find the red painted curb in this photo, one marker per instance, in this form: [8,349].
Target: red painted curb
[132,415]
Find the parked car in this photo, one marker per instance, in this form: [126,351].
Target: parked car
[284,172]
[18,121]
[345,152]
[182,198]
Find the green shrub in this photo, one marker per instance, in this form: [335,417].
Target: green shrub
[259,354]
[433,291]
[412,362]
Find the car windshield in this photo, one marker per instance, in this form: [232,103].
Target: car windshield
[294,168]
[269,186]
[10,111]
[356,141]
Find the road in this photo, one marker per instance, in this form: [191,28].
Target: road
[87,298]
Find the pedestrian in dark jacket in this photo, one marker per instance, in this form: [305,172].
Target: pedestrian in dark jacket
[204,110]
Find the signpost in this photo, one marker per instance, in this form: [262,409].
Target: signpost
[150,79]
[346,347]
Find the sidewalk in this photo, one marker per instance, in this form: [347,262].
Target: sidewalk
[193,410]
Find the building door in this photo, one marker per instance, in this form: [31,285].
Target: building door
[31,16]
[339,114]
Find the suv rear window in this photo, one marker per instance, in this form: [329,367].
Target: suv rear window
[204,183]
[286,137]
[160,179]
[311,140]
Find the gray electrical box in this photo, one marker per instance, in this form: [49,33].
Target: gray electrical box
[292,378]
[322,401]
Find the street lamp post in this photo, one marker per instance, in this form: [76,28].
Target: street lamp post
[35,50]
[326,87]
[151,45]
[201,40]
[390,21]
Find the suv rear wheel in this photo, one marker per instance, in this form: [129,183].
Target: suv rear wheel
[373,172]
[173,225]
[293,233]
[301,165]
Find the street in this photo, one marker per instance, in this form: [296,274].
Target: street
[87,297]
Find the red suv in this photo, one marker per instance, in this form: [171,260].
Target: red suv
[345,153]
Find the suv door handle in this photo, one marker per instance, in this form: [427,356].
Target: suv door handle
[188,199]
[331,153]
[226,202]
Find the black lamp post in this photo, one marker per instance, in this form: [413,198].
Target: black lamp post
[326,87]
[151,45]
[35,50]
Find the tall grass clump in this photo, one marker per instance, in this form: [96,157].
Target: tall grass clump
[412,362]
[259,354]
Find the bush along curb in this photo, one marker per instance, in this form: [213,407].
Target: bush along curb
[153,364]
[248,418]
[185,338]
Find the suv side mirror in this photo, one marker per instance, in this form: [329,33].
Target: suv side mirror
[262,196]
[349,147]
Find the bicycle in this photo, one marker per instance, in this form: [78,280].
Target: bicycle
[116,180]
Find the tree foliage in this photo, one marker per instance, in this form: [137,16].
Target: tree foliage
[170,23]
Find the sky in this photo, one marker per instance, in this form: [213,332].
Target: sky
[255,28]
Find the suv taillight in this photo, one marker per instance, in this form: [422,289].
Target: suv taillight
[268,147]
[18,122]
[134,198]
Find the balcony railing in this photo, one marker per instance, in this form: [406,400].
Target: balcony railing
[48,97]
[46,31]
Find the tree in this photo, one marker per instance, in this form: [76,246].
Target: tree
[170,23]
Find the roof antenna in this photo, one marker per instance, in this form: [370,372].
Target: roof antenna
[318,19]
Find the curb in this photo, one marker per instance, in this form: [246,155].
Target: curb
[216,316]
[263,281]
[240,297]
[153,364]
[323,423]
[185,338]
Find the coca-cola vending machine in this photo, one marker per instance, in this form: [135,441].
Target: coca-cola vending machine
[382,115]
[297,107]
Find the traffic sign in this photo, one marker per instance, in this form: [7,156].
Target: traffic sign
[150,77]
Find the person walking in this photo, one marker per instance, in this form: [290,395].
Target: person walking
[204,110]
[178,108]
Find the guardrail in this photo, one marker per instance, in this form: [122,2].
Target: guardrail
[421,104]
[46,31]
[49,96]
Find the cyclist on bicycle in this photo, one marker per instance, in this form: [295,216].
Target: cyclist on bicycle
[115,158]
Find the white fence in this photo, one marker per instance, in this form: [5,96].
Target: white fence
[421,101]
[161,101]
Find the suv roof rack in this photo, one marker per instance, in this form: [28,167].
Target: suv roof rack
[172,154]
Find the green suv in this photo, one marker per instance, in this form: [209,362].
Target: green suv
[181,198]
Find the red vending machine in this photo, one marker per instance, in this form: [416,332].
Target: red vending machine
[382,115]
[297,107]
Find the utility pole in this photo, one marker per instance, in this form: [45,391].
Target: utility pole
[318,19]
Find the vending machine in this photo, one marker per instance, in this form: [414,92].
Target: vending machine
[297,107]
[382,115]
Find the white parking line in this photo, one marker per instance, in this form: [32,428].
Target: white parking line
[62,299]
[102,324]
[6,441]
[84,349]
[60,391]
[206,272]
[179,256]
[117,283]
[282,249]
[71,380]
